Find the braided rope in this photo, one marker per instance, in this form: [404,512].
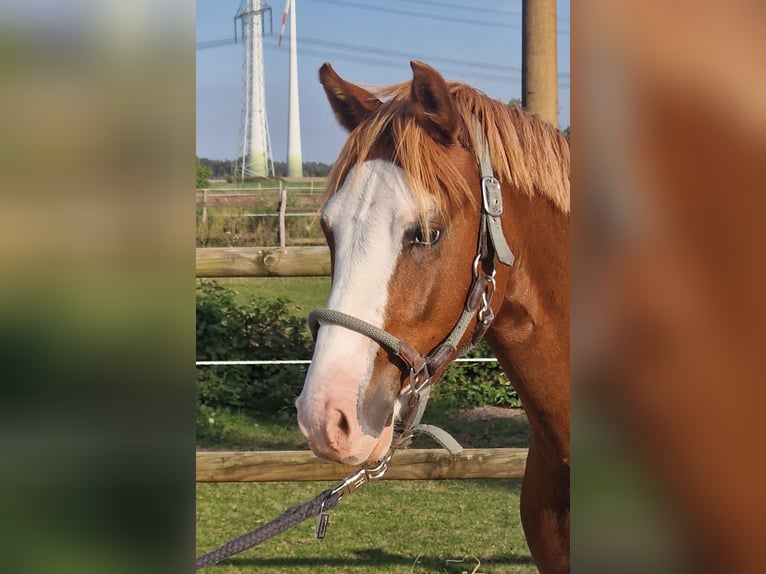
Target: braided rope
[293,516]
[380,336]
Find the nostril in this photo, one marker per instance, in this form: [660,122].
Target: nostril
[338,430]
[343,423]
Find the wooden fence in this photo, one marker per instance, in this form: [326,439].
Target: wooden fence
[269,201]
[263,261]
[413,464]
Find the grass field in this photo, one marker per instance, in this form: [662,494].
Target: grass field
[392,527]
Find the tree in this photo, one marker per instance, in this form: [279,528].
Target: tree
[202,174]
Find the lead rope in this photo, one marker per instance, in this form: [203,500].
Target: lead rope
[329,499]
[326,500]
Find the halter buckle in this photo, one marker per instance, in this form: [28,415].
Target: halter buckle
[491,196]
[415,387]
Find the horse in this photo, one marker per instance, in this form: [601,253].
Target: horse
[447,220]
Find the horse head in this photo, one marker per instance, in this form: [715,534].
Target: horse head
[401,255]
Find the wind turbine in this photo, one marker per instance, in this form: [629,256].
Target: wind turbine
[294,158]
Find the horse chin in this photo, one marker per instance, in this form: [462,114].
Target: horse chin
[379,449]
[384,444]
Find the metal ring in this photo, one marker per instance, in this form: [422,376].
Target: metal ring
[414,387]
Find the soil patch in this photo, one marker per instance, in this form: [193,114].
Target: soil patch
[487,413]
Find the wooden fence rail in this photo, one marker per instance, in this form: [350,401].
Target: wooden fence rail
[263,261]
[410,464]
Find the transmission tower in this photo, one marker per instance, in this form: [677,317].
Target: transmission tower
[255,154]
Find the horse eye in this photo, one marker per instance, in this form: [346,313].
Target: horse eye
[423,237]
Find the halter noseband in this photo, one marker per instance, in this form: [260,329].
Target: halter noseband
[491,243]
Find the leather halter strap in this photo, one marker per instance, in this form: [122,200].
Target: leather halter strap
[491,243]
[420,366]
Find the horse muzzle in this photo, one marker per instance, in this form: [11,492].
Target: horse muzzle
[333,430]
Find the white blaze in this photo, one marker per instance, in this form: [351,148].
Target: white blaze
[368,217]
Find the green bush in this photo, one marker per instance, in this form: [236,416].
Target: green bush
[265,329]
[260,331]
[466,385]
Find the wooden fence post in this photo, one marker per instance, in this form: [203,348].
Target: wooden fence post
[204,206]
[282,211]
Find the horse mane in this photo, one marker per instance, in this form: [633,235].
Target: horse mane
[530,154]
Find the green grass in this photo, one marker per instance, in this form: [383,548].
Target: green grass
[304,293]
[393,527]
[245,431]
[491,433]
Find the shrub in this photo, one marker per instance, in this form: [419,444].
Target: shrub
[466,385]
[266,330]
[263,330]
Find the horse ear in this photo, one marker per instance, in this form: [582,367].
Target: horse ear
[351,103]
[432,103]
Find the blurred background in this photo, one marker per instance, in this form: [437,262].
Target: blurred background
[669,136]
[97,285]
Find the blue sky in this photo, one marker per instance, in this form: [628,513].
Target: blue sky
[366,42]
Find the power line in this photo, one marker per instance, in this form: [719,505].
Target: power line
[385,52]
[355,49]
[206,45]
[394,65]
[430,15]
[473,8]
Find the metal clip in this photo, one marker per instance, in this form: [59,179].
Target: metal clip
[491,196]
[352,482]
[476,262]
[362,476]
[377,471]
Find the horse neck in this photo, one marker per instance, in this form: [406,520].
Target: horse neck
[530,335]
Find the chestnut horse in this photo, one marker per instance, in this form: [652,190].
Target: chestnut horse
[447,220]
